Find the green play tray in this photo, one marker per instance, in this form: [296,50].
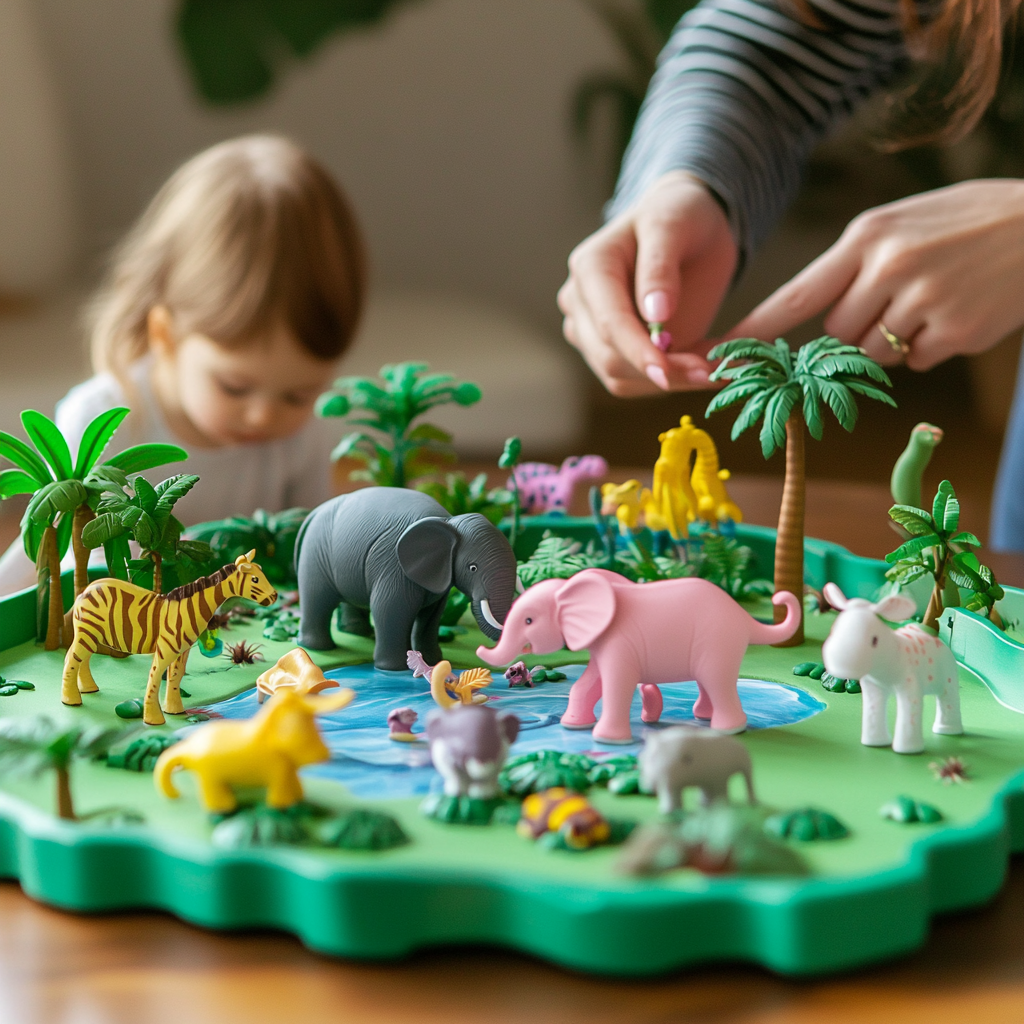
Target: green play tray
[868,897]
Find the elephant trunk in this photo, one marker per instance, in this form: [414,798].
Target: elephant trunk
[506,651]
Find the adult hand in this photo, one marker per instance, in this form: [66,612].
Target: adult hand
[672,257]
[942,270]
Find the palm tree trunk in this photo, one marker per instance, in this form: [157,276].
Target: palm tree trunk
[995,618]
[935,602]
[65,809]
[83,515]
[55,621]
[789,541]
[158,572]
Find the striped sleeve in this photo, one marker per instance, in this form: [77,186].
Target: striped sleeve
[745,90]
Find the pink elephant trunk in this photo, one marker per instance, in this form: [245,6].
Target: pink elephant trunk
[505,652]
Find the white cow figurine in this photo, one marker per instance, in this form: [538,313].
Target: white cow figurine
[908,661]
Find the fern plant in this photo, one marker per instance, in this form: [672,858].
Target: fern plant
[396,451]
[556,558]
[460,496]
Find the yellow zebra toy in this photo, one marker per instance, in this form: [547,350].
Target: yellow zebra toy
[136,621]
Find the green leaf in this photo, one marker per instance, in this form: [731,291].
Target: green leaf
[838,398]
[49,442]
[428,432]
[869,391]
[350,444]
[942,495]
[141,457]
[14,481]
[751,412]
[105,478]
[912,547]
[15,450]
[915,521]
[145,531]
[102,530]
[776,413]
[96,437]
[905,573]
[31,536]
[170,491]
[332,405]
[57,498]
[812,410]
[965,537]
[467,393]
[510,455]
[145,494]
[64,525]
[951,516]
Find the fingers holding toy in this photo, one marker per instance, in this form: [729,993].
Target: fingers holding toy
[643,290]
[922,279]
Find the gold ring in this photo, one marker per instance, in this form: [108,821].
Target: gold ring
[896,343]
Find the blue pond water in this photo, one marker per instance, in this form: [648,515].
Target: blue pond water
[371,765]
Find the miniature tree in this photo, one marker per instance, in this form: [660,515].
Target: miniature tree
[390,410]
[460,496]
[785,393]
[966,571]
[31,746]
[509,459]
[65,494]
[935,539]
[147,517]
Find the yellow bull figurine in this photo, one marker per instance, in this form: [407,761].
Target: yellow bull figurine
[267,750]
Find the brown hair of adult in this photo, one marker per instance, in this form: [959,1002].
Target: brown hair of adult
[967,37]
[249,235]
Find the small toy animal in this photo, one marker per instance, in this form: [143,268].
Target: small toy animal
[908,662]
[683,756]
[640,635]
[468,745]
[565,811]
[547,488]
[396,553]
[629,503]
[447,689]
[128,618]
[267,750]
[295,671]
[400,723]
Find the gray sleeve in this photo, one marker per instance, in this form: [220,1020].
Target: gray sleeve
[745,90]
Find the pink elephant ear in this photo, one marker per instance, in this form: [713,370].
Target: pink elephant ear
[584,608]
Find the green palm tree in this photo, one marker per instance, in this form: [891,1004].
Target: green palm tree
[785,390]
[65,494]
[938,535]
[31,746]
[389,407]
[147,518]
[966,571]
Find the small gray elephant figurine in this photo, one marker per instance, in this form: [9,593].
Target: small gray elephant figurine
[683,756]
[396,553]
[468,745]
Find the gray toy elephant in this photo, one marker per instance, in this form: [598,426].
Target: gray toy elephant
[683,756]
[396,553]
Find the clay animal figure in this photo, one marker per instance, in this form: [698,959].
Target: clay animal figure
[400,723]
[905,483]
[267,750]
[468,745]
[128,618]
[682,756]
[630,503]
[547,488]
[396,553]
[293,671]
[564,811]
[640,635]
[908,662]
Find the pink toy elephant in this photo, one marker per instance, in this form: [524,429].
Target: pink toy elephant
[544,487]
[640,635]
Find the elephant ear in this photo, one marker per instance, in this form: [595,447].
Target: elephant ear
[426,551]
[584,608]
[509,725]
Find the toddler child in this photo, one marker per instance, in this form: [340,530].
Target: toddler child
[222,318]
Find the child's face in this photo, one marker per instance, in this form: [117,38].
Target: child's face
[255,393]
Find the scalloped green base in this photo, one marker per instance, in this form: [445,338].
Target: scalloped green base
[868,898]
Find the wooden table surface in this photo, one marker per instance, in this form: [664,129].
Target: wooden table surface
[148,968]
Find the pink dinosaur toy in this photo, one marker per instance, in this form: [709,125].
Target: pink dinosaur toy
[640,635]
[547,488]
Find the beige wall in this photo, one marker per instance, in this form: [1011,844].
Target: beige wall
[448,126]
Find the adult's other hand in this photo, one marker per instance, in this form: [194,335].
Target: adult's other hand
[942,270]
[669,259]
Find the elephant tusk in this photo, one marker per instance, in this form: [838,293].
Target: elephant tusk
[485,611]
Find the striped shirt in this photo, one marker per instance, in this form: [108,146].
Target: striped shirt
[745,90]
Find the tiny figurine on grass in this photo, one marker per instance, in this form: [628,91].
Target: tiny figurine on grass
[785,391]
[908,662]
[674,759]
[31,746]
[128,618]
[640,635]
[65,494]
[397,452]
[468,745]
[565,815]
[397,553]
[544,487]
[266,750]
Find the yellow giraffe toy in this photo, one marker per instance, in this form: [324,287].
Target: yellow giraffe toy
[708,481]
[629,503]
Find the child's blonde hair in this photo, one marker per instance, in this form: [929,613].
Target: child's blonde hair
[248,235]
